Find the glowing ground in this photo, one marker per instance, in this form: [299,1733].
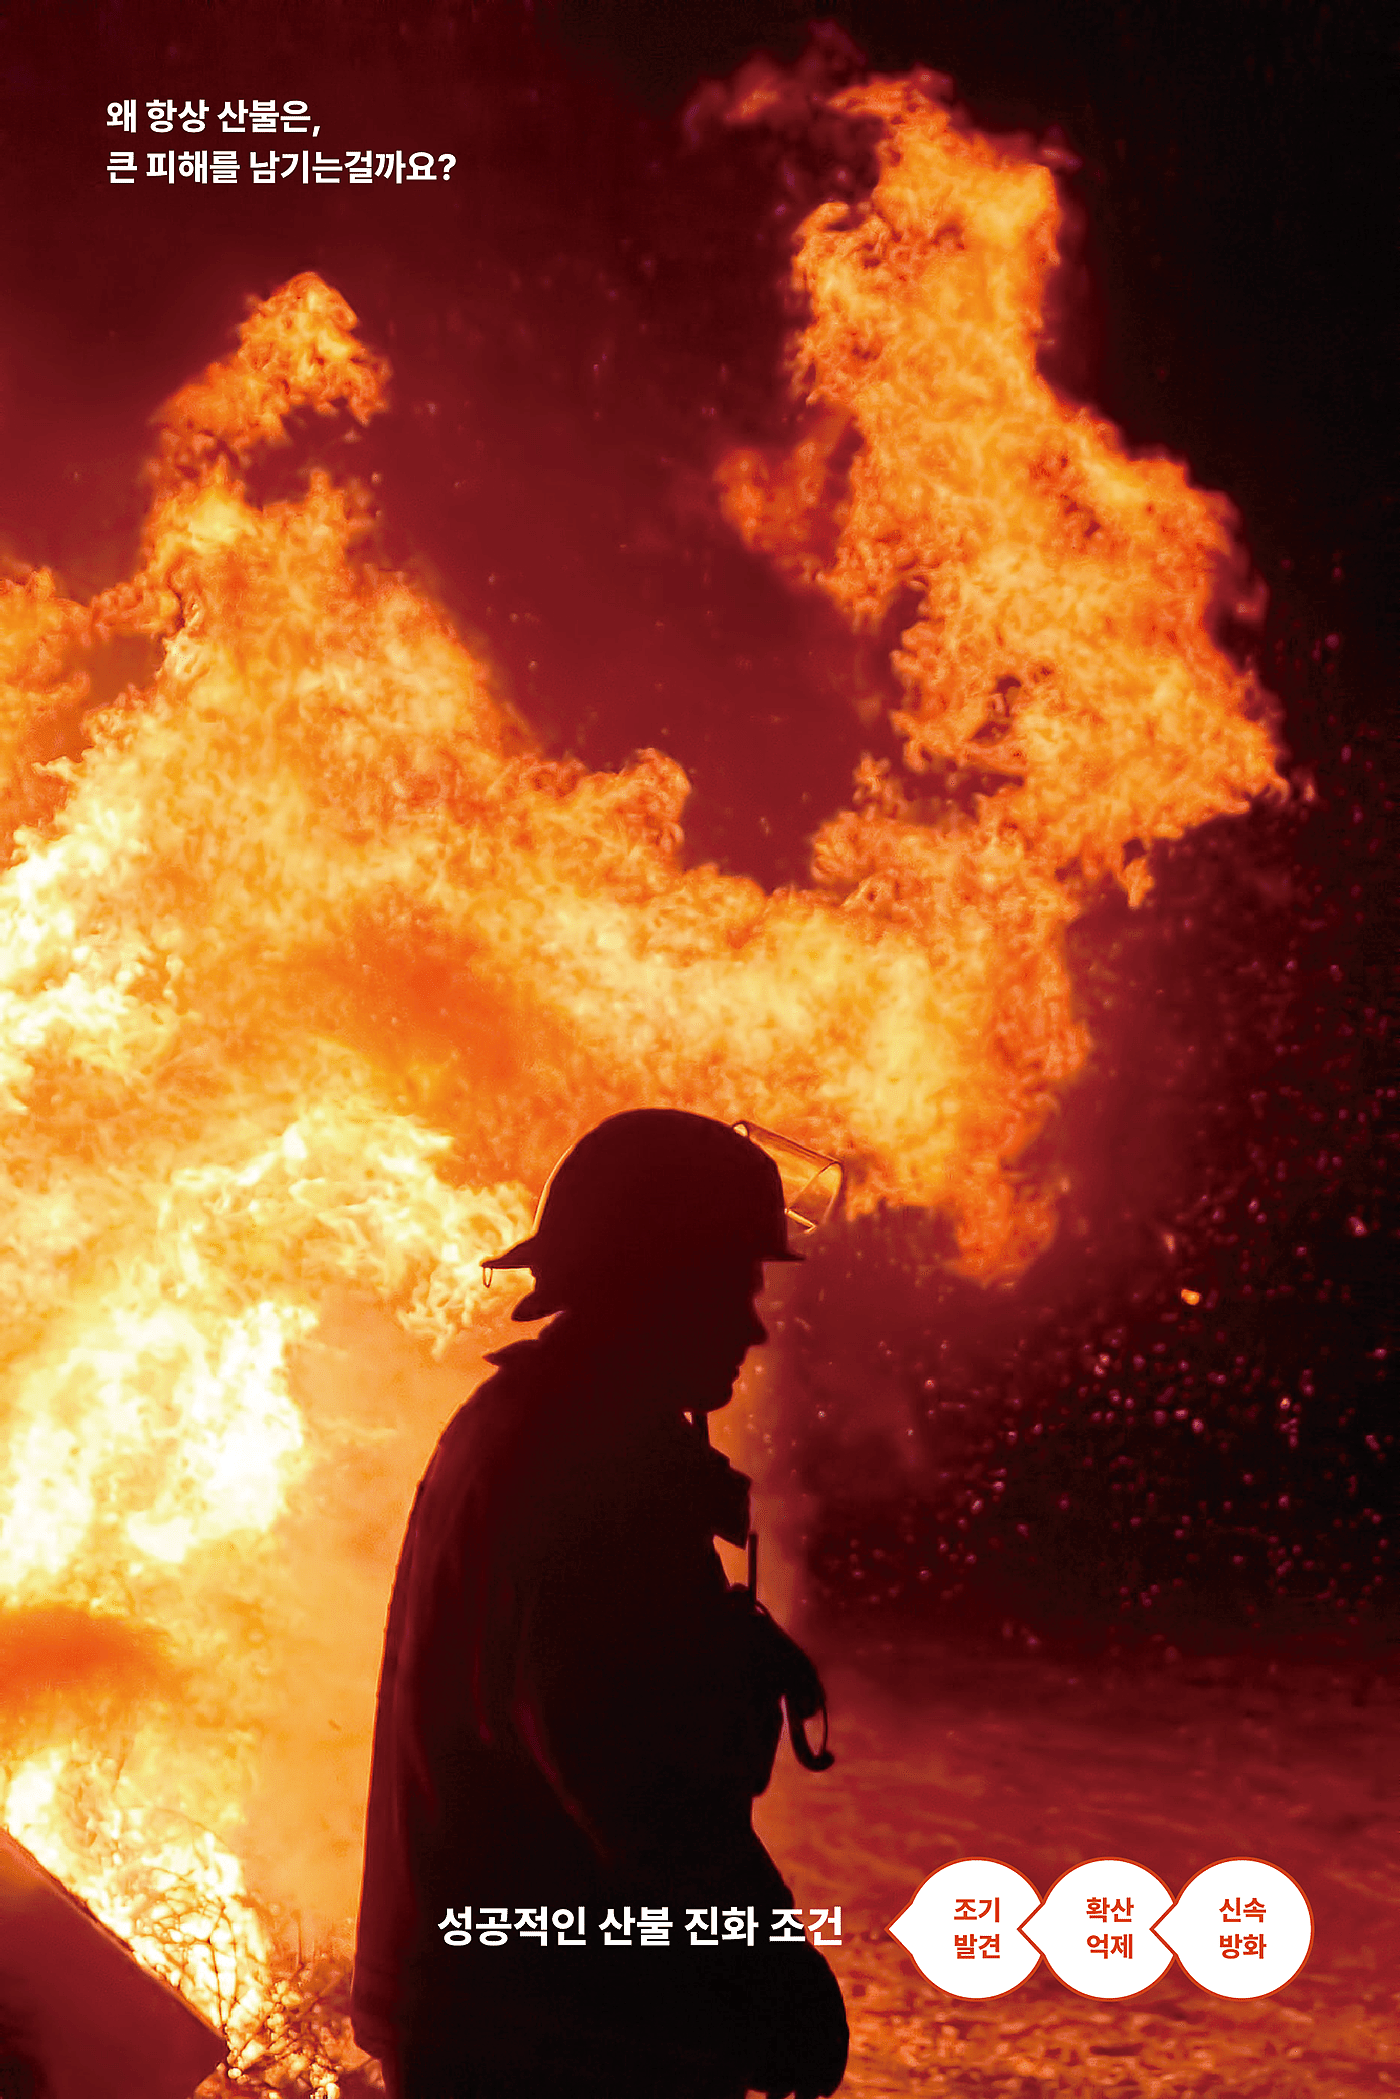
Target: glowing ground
[1044,1766]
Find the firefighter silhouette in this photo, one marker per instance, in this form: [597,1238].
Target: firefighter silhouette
[576,1710]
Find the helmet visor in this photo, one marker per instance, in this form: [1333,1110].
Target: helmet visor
[812,1182]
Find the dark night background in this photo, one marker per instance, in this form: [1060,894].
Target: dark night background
[579,322]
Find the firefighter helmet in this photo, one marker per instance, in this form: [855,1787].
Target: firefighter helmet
[648,1191]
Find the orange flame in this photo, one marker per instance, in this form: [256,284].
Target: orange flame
[311,965]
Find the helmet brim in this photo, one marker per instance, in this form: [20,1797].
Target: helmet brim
[541,1301]
[520,1256]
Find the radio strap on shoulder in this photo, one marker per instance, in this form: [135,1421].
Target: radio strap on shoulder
[810,1759]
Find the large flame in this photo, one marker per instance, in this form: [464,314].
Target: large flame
[311,965]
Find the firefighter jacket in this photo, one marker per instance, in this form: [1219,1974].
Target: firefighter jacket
[575,1710]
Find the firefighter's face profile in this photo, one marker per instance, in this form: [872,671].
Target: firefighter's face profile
[705,1319]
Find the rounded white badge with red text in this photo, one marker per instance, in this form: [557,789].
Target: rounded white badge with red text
[1240,1929]
[1095,1928]
[963,1928]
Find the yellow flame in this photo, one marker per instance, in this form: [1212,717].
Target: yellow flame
[1065,590]
[173,1892]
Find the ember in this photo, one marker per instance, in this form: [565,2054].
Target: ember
[312,964]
